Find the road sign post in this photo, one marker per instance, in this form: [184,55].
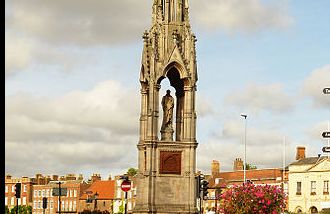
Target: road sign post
[60,192]
[326,91]
[326,134]
[326,149]
[126,186]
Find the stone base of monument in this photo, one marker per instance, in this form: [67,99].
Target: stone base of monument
[167,135]
[170,185]
[163,209]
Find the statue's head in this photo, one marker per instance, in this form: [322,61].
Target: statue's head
[168,92]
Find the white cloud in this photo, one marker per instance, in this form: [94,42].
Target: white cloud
[23,53]
[269,155]
[61,158]
[74,131]
[17,53]
[79,22]
[241,16]
[262,97]
[105,107]
[314,132]
[204,106]
[315,83]
[58,33]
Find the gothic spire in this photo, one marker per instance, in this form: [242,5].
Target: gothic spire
[171,10]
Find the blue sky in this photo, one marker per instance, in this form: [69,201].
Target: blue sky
[72,89]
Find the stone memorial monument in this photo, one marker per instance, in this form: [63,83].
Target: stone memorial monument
[166,181]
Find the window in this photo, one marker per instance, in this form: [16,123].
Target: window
[298,188]
[51,204]
[43,193]
[75,193]
[12,201]
[47,193]
[24,188]
[313,187]
[39,193]
[6,188]
[326,188]
[34,205]
[13,188]
[24,201]
[6,201]
[35,193]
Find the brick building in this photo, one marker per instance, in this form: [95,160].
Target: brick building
[218,179]
[26,191]
[98,196]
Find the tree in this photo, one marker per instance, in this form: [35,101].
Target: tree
[7,210]
[250,166]
[250,198]
[132,171]
[21,210]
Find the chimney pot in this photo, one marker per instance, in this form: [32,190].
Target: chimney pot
[300,153]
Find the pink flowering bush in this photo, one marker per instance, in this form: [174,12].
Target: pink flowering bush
[253,199]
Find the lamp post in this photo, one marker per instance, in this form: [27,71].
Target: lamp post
[244,165]
[96,195]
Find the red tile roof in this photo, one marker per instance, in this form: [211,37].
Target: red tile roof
[104,189]
[257,175]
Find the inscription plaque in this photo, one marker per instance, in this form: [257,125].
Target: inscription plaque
[170,162]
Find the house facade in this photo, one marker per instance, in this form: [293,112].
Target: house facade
[309,185]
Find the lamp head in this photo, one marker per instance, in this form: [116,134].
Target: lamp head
[244,115]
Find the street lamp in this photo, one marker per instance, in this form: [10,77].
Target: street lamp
[244,165]
[96,195]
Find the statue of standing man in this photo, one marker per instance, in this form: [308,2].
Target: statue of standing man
[168,106]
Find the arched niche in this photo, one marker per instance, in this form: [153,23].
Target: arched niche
[174,73]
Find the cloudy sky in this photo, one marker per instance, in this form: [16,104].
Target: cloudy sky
[72,82]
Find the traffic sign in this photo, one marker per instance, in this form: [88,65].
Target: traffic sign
[326,90]
[60,191]
[326,149]
[326,134]
[126,185]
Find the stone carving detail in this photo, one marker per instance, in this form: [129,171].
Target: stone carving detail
[170,162]
[167,125]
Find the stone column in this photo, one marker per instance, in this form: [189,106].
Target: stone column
[144,113]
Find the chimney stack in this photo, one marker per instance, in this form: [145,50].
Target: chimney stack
[95,177]
[300,153]
[238,164]
[215,167]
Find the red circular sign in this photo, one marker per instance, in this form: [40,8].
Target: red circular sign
[125,186]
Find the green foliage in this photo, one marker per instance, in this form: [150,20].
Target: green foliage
[121,209]
[132,171]
[250,166]
[7,210]
[21,210]
[256,199]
